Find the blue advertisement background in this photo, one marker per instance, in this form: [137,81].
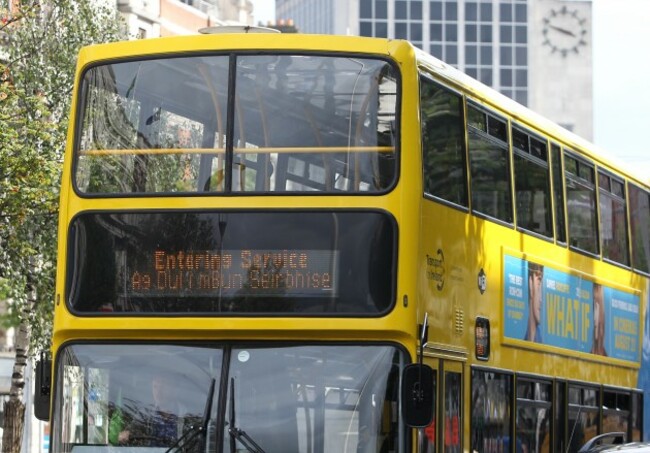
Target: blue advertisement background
[567,312]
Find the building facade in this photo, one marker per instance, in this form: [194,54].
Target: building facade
[538,52]
[153,18]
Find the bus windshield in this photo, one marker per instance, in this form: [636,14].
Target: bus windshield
[283,398]
[283,123]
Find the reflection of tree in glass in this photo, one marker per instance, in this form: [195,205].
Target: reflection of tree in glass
[109,123]
[120,125]
[181,232]
[442,143]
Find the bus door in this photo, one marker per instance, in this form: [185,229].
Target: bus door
[445,433]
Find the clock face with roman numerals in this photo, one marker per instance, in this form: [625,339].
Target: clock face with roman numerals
[565,31]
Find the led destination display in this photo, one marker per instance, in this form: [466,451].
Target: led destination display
[249,262]
[253,272]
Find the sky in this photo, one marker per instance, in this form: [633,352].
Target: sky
[621,80]
[621,62]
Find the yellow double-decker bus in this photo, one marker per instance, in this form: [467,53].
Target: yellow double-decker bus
[257,229]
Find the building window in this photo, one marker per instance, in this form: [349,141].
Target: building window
[513,49]
[443,30]
[478,40]
[365,9]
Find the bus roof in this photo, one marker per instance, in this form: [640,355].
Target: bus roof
[401,50]
[487,95]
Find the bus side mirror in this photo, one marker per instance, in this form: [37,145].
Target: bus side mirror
[42,384]
[417,395]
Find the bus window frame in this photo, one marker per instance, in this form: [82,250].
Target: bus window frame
[637,412]
[535,403]
[528,156]
[424,73]
[510,374]
[560,414]
[577,179]
[616,411]
[644,191]
[612,177]
[581,407]
[230,120]
[485,135]
[558,208]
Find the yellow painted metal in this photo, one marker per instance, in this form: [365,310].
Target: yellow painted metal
[433,237]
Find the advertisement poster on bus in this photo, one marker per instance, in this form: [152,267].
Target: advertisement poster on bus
[555,308]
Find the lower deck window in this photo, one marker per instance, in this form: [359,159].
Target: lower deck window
[491,411]
[534,415]
[583,415]
[549,414]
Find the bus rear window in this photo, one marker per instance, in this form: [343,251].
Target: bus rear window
[294,123]
[222,263]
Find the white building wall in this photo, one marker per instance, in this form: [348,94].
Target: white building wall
[561,85]
[557,87]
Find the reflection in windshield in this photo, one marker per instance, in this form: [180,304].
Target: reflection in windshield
[301,123]
[133,398]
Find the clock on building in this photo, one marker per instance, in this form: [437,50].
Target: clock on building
[565,31]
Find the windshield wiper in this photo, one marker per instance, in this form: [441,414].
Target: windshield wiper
[237,434]
[195,430]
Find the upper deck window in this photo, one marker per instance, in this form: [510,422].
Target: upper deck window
[443,143]
[640,227]
[288,123]
[532,185]
[489,164]
[613,214]
[581,204]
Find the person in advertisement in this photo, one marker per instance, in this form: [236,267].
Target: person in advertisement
[535,277]
[598,344]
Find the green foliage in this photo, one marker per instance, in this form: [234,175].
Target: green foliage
[35,88]
[28,186]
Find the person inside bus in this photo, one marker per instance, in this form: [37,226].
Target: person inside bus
[598,344]
[535,277]
[157,427]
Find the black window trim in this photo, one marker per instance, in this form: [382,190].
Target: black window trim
[554,144]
